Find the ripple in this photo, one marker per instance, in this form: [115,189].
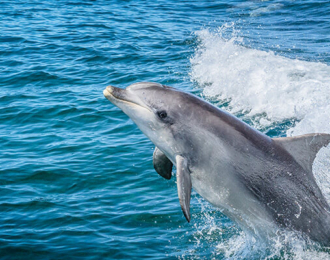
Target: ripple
[76,176]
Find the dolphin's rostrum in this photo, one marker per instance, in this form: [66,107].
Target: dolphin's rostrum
[259,182]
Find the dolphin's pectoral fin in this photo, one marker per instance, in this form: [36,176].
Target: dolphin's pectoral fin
[304,148]
[184,185]
[162,164]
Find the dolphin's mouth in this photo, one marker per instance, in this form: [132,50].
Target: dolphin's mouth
[117,95]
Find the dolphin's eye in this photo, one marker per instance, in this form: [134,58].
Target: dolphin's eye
[162,114]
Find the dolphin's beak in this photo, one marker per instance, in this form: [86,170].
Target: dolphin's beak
[119,97]
[108,90]
[116,95]
[112,93]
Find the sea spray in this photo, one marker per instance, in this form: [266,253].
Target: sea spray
[262,84]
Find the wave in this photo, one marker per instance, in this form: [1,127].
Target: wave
[262,85]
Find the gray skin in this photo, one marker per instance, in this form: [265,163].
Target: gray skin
[261,183]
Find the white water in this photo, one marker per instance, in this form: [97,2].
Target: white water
[268,89]
[265,86]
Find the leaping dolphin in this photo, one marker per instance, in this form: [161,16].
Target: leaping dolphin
[259,182]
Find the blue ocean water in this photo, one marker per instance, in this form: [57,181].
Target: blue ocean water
[76,175]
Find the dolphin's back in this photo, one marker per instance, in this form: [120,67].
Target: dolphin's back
[224,124]
[277,172]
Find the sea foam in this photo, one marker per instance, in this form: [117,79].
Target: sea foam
[263,85]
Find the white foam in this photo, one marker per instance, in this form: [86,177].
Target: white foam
[234,244]
[268,89]
[265,86]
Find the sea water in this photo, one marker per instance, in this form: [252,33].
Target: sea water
[76,175]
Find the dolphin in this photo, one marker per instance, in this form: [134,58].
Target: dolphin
[261,183]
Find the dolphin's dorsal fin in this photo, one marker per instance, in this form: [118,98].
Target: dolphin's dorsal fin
[304,148]
[162,164]
[184,185]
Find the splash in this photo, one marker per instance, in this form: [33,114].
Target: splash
[218,238]
[265,86]
[266,89]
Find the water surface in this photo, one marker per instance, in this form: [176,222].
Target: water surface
[76,175]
